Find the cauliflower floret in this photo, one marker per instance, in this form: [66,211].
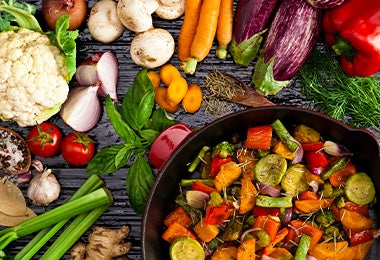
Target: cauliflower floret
[33,77]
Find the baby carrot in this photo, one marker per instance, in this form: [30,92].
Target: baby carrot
[224,27]
[176,91]
[188,28]
[204,35]
[168,72]
[193,99]
[154,76]
[160,97]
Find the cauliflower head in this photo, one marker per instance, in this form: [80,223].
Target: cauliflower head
[33,77]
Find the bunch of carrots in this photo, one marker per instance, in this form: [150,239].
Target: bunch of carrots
[203,21]
[175,90]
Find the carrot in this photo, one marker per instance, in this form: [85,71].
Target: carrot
[178,215]
[168,72]
[188,28]
[309,229]
[330,250]
[176,230]
[246,250]
[354,220]
[154,76]
[308,195]
[259,137]
[224,27]
[340,177]
[206,232]
[176,91]
[268,224]
[204,35]
[312,205]
[192,101]
[160,97]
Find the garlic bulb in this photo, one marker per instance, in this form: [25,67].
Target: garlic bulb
[43,188]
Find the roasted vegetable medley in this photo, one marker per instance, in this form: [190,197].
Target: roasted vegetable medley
[275,193]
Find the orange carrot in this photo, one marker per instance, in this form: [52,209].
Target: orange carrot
[168,72]
[281,235]
[188,28]
[309,229]
[192,101]
[312,205]
[259,137]
[178,215]
[154,76]
[160,97]
[268,224]
[176,230]
[176,91]
[204,35]
[354,220]
[224,27]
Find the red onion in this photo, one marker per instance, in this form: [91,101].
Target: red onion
[267,189]
[287,216]
[82,109]
[250,230]
[197,199]
[298,154]
[101,67]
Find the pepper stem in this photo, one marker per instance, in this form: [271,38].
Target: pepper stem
[344,47]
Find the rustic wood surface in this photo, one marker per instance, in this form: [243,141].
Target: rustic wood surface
[71,178]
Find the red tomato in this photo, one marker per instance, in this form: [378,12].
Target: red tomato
[77,148]
[44,139]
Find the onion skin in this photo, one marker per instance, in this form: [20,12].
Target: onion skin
[75,9]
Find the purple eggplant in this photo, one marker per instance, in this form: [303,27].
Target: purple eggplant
[252,18]
[325,4]
[290,40]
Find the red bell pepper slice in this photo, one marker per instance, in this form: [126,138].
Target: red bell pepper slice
[259,137]
[362,209]
[316,159]
[358,237]
[263,211]
[199,186]
[352,29]
[216,215]
[216,162]
[313,146]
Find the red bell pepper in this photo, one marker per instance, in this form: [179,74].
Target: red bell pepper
[216,162]
[353,30]
[358,237]
[316,159]
[263,211]
[215,215]
[313,146]
[199,186]
[259,137]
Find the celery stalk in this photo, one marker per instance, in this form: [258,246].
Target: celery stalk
[40,239]
[95,199]
[72,233]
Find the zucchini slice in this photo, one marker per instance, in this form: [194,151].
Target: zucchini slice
[360,189]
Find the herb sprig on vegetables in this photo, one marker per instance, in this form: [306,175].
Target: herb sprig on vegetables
[137,123]
[355,100]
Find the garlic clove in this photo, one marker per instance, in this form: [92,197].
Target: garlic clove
[43,188]
[336,149]
[82,109]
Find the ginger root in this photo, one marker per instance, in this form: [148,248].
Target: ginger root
[103,244]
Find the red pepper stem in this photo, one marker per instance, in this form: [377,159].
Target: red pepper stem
[344,47]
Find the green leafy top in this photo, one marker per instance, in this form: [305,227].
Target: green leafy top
[22,14]
[138,123]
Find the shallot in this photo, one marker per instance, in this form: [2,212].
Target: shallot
[100,67]
[82,109]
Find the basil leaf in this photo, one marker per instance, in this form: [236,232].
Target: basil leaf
[138,102]
[149,135]
[160,120]
[139,180]
[120,126]
[110,159]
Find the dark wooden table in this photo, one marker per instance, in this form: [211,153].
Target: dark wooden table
[71,178]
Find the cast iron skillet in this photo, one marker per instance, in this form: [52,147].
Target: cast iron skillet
[364,145]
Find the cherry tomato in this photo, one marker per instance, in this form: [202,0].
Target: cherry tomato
[44,139]
[77,148]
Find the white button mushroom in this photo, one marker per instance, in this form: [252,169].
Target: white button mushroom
[170,9]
